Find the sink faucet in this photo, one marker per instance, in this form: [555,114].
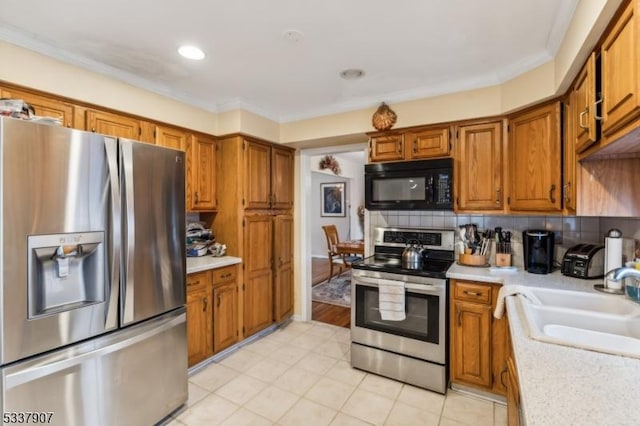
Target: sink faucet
[623,272]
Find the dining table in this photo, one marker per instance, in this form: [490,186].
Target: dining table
[355,247]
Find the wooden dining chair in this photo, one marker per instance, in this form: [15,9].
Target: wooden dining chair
[342,261]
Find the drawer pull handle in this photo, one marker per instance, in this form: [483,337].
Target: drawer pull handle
[472,293]
[551,193]
[204,304]
[219,298]
[459,317]
[194,282]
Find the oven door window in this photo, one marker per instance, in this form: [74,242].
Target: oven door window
[422,316]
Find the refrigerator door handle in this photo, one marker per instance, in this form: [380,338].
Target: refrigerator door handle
[40,370]
[111,150]
[126,149]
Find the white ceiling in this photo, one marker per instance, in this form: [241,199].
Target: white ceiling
[409,49]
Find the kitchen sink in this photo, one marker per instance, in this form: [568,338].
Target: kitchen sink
[596,302]
[586,321]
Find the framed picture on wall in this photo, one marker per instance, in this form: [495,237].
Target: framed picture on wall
[332,199]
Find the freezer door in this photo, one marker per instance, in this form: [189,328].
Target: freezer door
[153,209]
[59,237]
[136,376]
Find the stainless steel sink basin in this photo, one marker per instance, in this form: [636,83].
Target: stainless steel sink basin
[596,302]
[595,322]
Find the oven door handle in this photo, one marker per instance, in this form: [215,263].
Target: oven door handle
[437,290]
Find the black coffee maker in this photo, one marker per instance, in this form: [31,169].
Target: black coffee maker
[538,251]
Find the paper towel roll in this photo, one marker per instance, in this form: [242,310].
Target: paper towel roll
[613,259]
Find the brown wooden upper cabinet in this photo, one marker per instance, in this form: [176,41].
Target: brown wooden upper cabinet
[410,144]
[427,143]
[269,176]
[620,63]
[478,166]
[535,160]
[43,106]
[113,124]
[171,137]
[585,106]
[202,175]
[569,154]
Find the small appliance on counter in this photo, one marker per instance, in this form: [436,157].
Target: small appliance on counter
[584,261]
[538,251]
[199,239]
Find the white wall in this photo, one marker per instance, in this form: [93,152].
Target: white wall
[350,226]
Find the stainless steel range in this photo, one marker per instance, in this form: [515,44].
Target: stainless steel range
[413,350]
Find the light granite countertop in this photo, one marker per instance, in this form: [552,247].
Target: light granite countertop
[203,263]
[561,385]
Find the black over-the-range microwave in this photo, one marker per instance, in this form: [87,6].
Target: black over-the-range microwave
[409,185]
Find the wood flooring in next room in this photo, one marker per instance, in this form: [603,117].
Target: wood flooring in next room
[324,312]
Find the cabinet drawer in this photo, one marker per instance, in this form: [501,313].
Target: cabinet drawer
[228,273]
[472,292]
[198,280]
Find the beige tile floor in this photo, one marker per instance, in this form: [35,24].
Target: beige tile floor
[300,375]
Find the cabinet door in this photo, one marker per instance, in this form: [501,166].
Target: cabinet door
[225,320]
[569,155]
[534,154]
[257,192]
[198,324]
[585,105]
[470,343]
[620,56]
[258,288]
[43,106]
[113,124]
[479,166]
[281,178]
[203,174]
[283,257]
[171,138]
[513,394]
[386,148]
[427,143]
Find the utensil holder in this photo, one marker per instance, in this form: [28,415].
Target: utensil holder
[472,259]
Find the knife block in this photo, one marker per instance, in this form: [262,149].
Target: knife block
[503,259]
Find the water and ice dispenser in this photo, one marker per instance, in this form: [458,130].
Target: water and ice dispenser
[66,271]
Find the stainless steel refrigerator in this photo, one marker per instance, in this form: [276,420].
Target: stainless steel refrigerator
[92,321]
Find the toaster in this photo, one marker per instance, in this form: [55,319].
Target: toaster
[584,261]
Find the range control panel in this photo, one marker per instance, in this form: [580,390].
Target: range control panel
[438,239]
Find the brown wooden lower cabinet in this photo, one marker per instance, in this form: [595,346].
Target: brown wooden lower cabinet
[199,340]
[513,394]
[212,312]
[478,340]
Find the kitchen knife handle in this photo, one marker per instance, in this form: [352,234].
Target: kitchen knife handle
[551,192]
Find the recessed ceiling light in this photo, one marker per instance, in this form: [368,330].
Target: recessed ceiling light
[293,36]
[191,52]
[351,74]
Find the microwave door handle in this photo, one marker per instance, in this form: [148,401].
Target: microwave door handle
[430,189]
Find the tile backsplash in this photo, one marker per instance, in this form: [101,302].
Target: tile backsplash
[569,230]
